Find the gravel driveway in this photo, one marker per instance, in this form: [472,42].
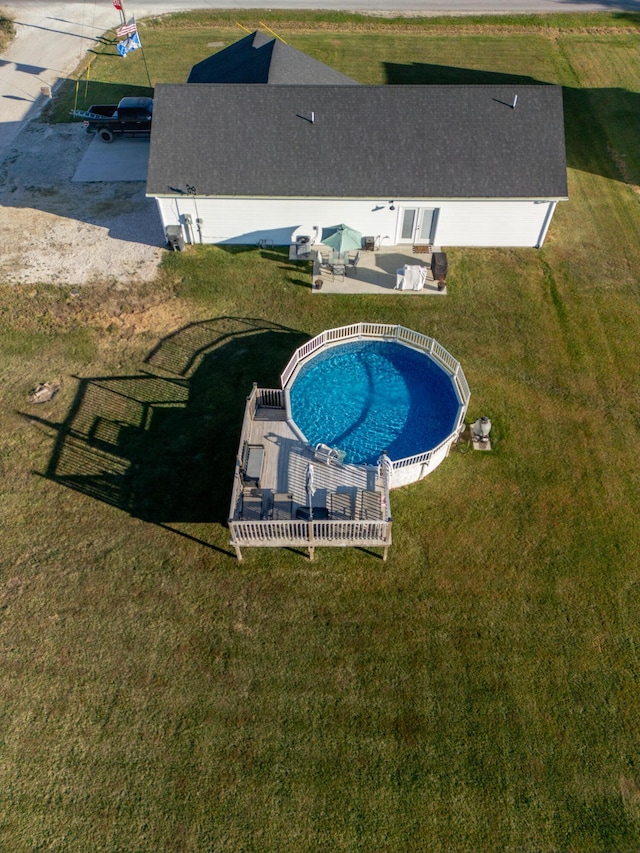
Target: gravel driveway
[59,232]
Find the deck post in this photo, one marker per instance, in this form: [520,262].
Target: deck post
[311,545]
[388,542]
[234,541]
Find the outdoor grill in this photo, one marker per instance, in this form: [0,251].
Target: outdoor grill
[439,268]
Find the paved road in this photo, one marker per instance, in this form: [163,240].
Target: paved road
[53,36]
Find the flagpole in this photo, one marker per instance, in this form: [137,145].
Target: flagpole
[145,64]
[130,30]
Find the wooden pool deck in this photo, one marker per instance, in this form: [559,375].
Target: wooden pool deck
[270,501]
[286,459]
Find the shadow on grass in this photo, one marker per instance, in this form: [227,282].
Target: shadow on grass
[90,92]
[273,253]
[161,445]
[601,125]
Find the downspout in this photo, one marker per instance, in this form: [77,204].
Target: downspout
[161,212]
[546,223]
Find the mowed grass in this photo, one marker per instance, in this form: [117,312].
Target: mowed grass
[476,692]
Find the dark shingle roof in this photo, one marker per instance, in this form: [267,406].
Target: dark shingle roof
[260,59]
[366,141]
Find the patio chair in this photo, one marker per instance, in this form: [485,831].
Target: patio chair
[338,269]
[353,263]
[341,506]
[282,506]
[252,505]
[323,259]
[252,462]
[369,505]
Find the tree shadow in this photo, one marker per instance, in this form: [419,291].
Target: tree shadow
[598,122]
[161,446]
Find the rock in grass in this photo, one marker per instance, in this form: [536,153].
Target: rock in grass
[44,392]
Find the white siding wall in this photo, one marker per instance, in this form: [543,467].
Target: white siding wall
[491,223]
[460,223]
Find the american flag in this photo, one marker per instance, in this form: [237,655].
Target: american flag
[127,30]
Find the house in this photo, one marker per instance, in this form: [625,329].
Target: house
[446,165]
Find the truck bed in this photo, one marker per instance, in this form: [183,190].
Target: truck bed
[106,110]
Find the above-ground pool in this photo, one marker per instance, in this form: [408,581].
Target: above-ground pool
[367,396]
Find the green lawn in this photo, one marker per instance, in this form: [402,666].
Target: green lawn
[477,692]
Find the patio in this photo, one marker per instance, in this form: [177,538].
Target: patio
[376,273]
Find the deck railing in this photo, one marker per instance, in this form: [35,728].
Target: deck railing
[310,534]
[245,436]
[420,458]
[377,331]
[270,398]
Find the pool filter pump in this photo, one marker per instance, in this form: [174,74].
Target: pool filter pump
[480,430]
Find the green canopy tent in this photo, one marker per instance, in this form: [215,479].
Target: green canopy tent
[341,238]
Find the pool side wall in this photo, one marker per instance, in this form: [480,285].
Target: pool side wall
[414,468]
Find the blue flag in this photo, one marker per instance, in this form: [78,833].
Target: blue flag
[126,46]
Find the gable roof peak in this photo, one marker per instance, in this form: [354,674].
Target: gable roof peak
[259,58]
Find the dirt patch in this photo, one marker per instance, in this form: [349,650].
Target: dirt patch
[58,232]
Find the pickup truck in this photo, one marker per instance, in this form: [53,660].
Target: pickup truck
[132,116]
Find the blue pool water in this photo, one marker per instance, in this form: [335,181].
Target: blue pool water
[371,396]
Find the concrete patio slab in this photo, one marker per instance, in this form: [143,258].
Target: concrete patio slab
[376,274]
[124,159]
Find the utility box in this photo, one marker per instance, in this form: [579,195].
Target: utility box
[175,240]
